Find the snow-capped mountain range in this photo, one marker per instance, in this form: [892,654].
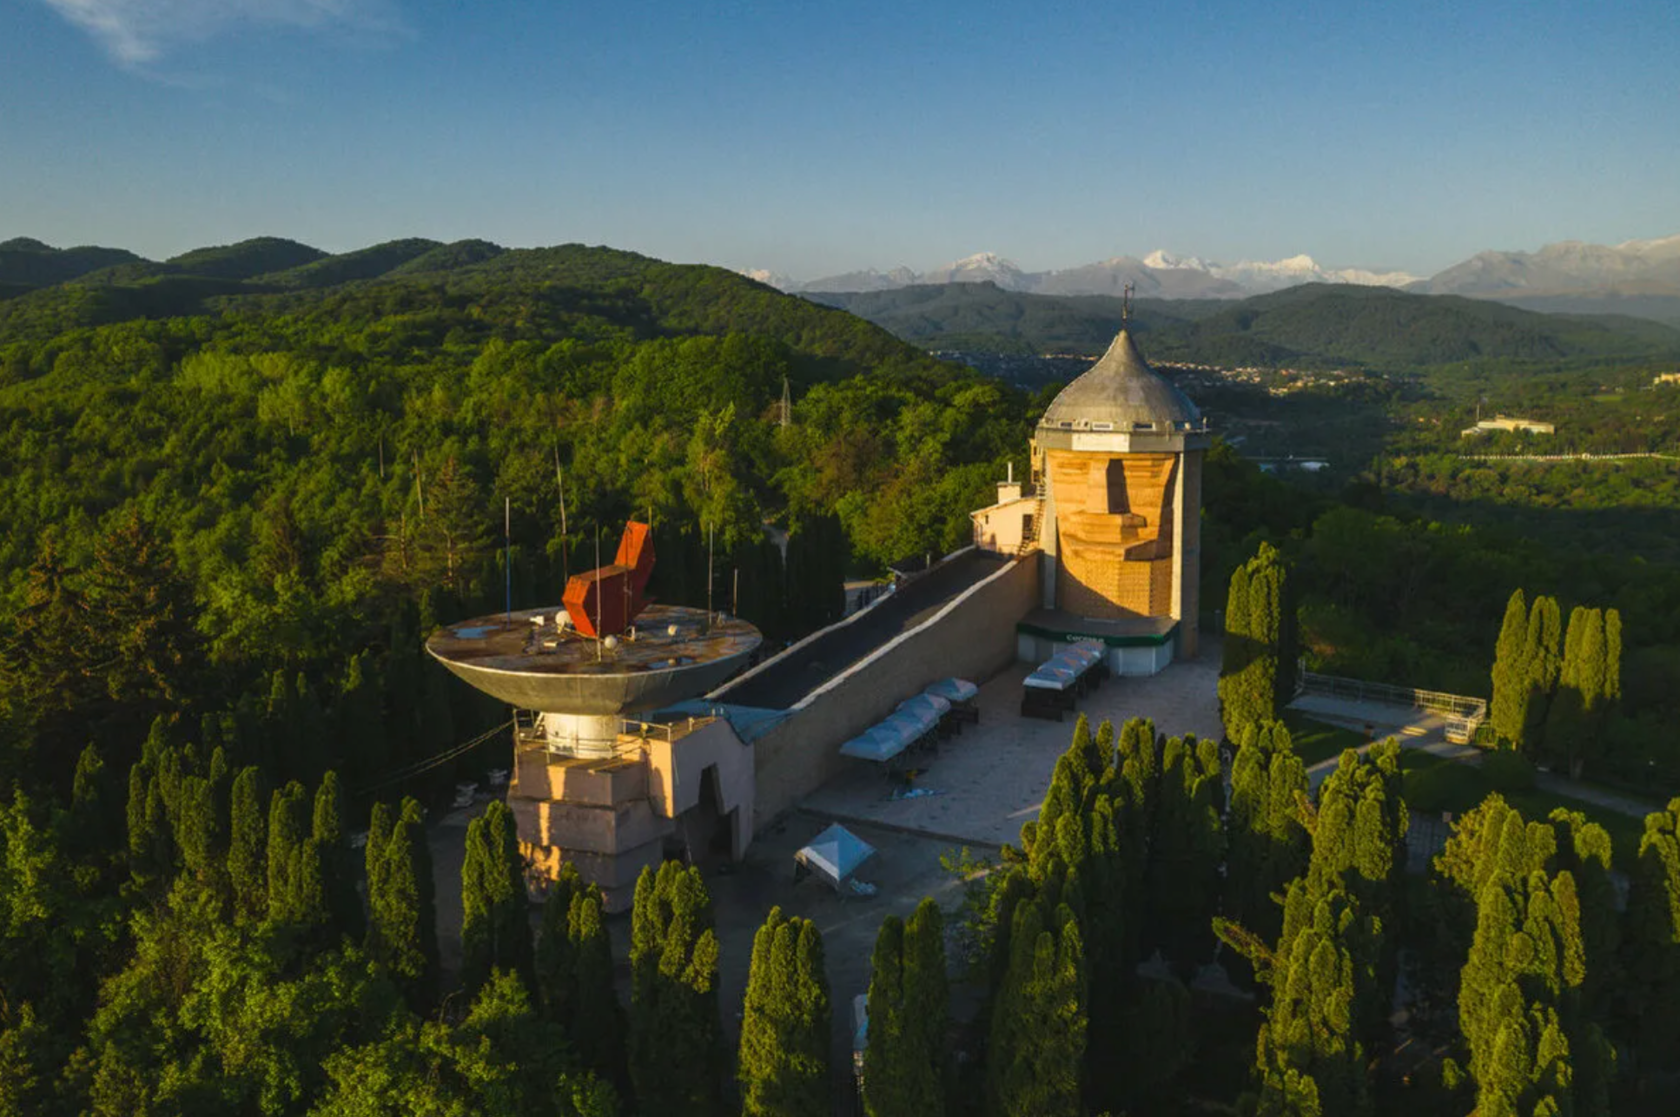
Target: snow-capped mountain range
[1639,277]
[1159,274]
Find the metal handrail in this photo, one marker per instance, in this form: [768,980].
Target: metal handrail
[1457,704]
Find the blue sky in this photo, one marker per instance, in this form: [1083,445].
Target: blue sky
[812,139]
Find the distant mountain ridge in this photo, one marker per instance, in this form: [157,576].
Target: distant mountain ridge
[1157,275]
[1311,325]
[1640,278]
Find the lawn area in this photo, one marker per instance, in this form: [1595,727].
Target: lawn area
[1316,741]
[1435,784]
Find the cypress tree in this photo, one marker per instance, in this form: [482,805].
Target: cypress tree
[1238,651]
[1266,841]
[247,864]
[327,830]
[903,1064]
[1309,1057]
[676,1043]
[1545,631]
[785,1022]
[1186,848]
[495,930]
[404,909]
[1651,941]
[554,965]
[1036,1057]
[1523,1001]
[1510,672]
[894,1080]
[597,1025]
[310,906]
[1258,670]
[361,719]
[287,828]
[203,850]
[309,731]
[139,836]
[1612,656]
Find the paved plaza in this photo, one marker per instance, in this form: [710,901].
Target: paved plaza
[988,780]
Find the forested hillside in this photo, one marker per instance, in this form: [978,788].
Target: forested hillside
[1311,326]
[300,473]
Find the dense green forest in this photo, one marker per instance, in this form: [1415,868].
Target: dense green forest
[240,486]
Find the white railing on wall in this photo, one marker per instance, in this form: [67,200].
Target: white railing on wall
[1464,714]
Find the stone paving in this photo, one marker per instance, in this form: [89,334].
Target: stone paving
[991,778]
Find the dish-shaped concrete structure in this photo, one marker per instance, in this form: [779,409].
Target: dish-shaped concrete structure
[528,661]
[591,784]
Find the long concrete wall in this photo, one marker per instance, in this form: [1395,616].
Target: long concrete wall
[972,637]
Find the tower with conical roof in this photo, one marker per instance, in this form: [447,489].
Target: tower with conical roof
[1117,461]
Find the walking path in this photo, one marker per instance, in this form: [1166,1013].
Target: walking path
[1412,727]
[1425,730]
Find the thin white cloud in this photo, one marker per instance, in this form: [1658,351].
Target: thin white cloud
[140,31]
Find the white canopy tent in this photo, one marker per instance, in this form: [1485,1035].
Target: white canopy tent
[835,854]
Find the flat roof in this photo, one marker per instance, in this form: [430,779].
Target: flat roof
[785,680]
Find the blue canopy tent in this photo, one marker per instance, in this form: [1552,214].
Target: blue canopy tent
[953,690]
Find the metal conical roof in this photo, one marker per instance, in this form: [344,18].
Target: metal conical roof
[1123,390]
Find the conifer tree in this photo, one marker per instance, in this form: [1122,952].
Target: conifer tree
[1508,709]
[785,1022]
[361,719]
[574,974]
[926,986]
[402,919]
[495,930]
[1544,663]
[598,1024]
[198,831]
[247,864]
[1258,670]
[903,1064]
[309,731]
[676,1042]
[1267,842]
[327,830]
[1035,1060]
[1310,1059]
[288,826]
[1187,846]
[1651,941]
[1522,999]
[554,962]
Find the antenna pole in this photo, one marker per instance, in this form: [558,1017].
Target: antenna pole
[507,550]
[711,540]
[735,595]
[597,591]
